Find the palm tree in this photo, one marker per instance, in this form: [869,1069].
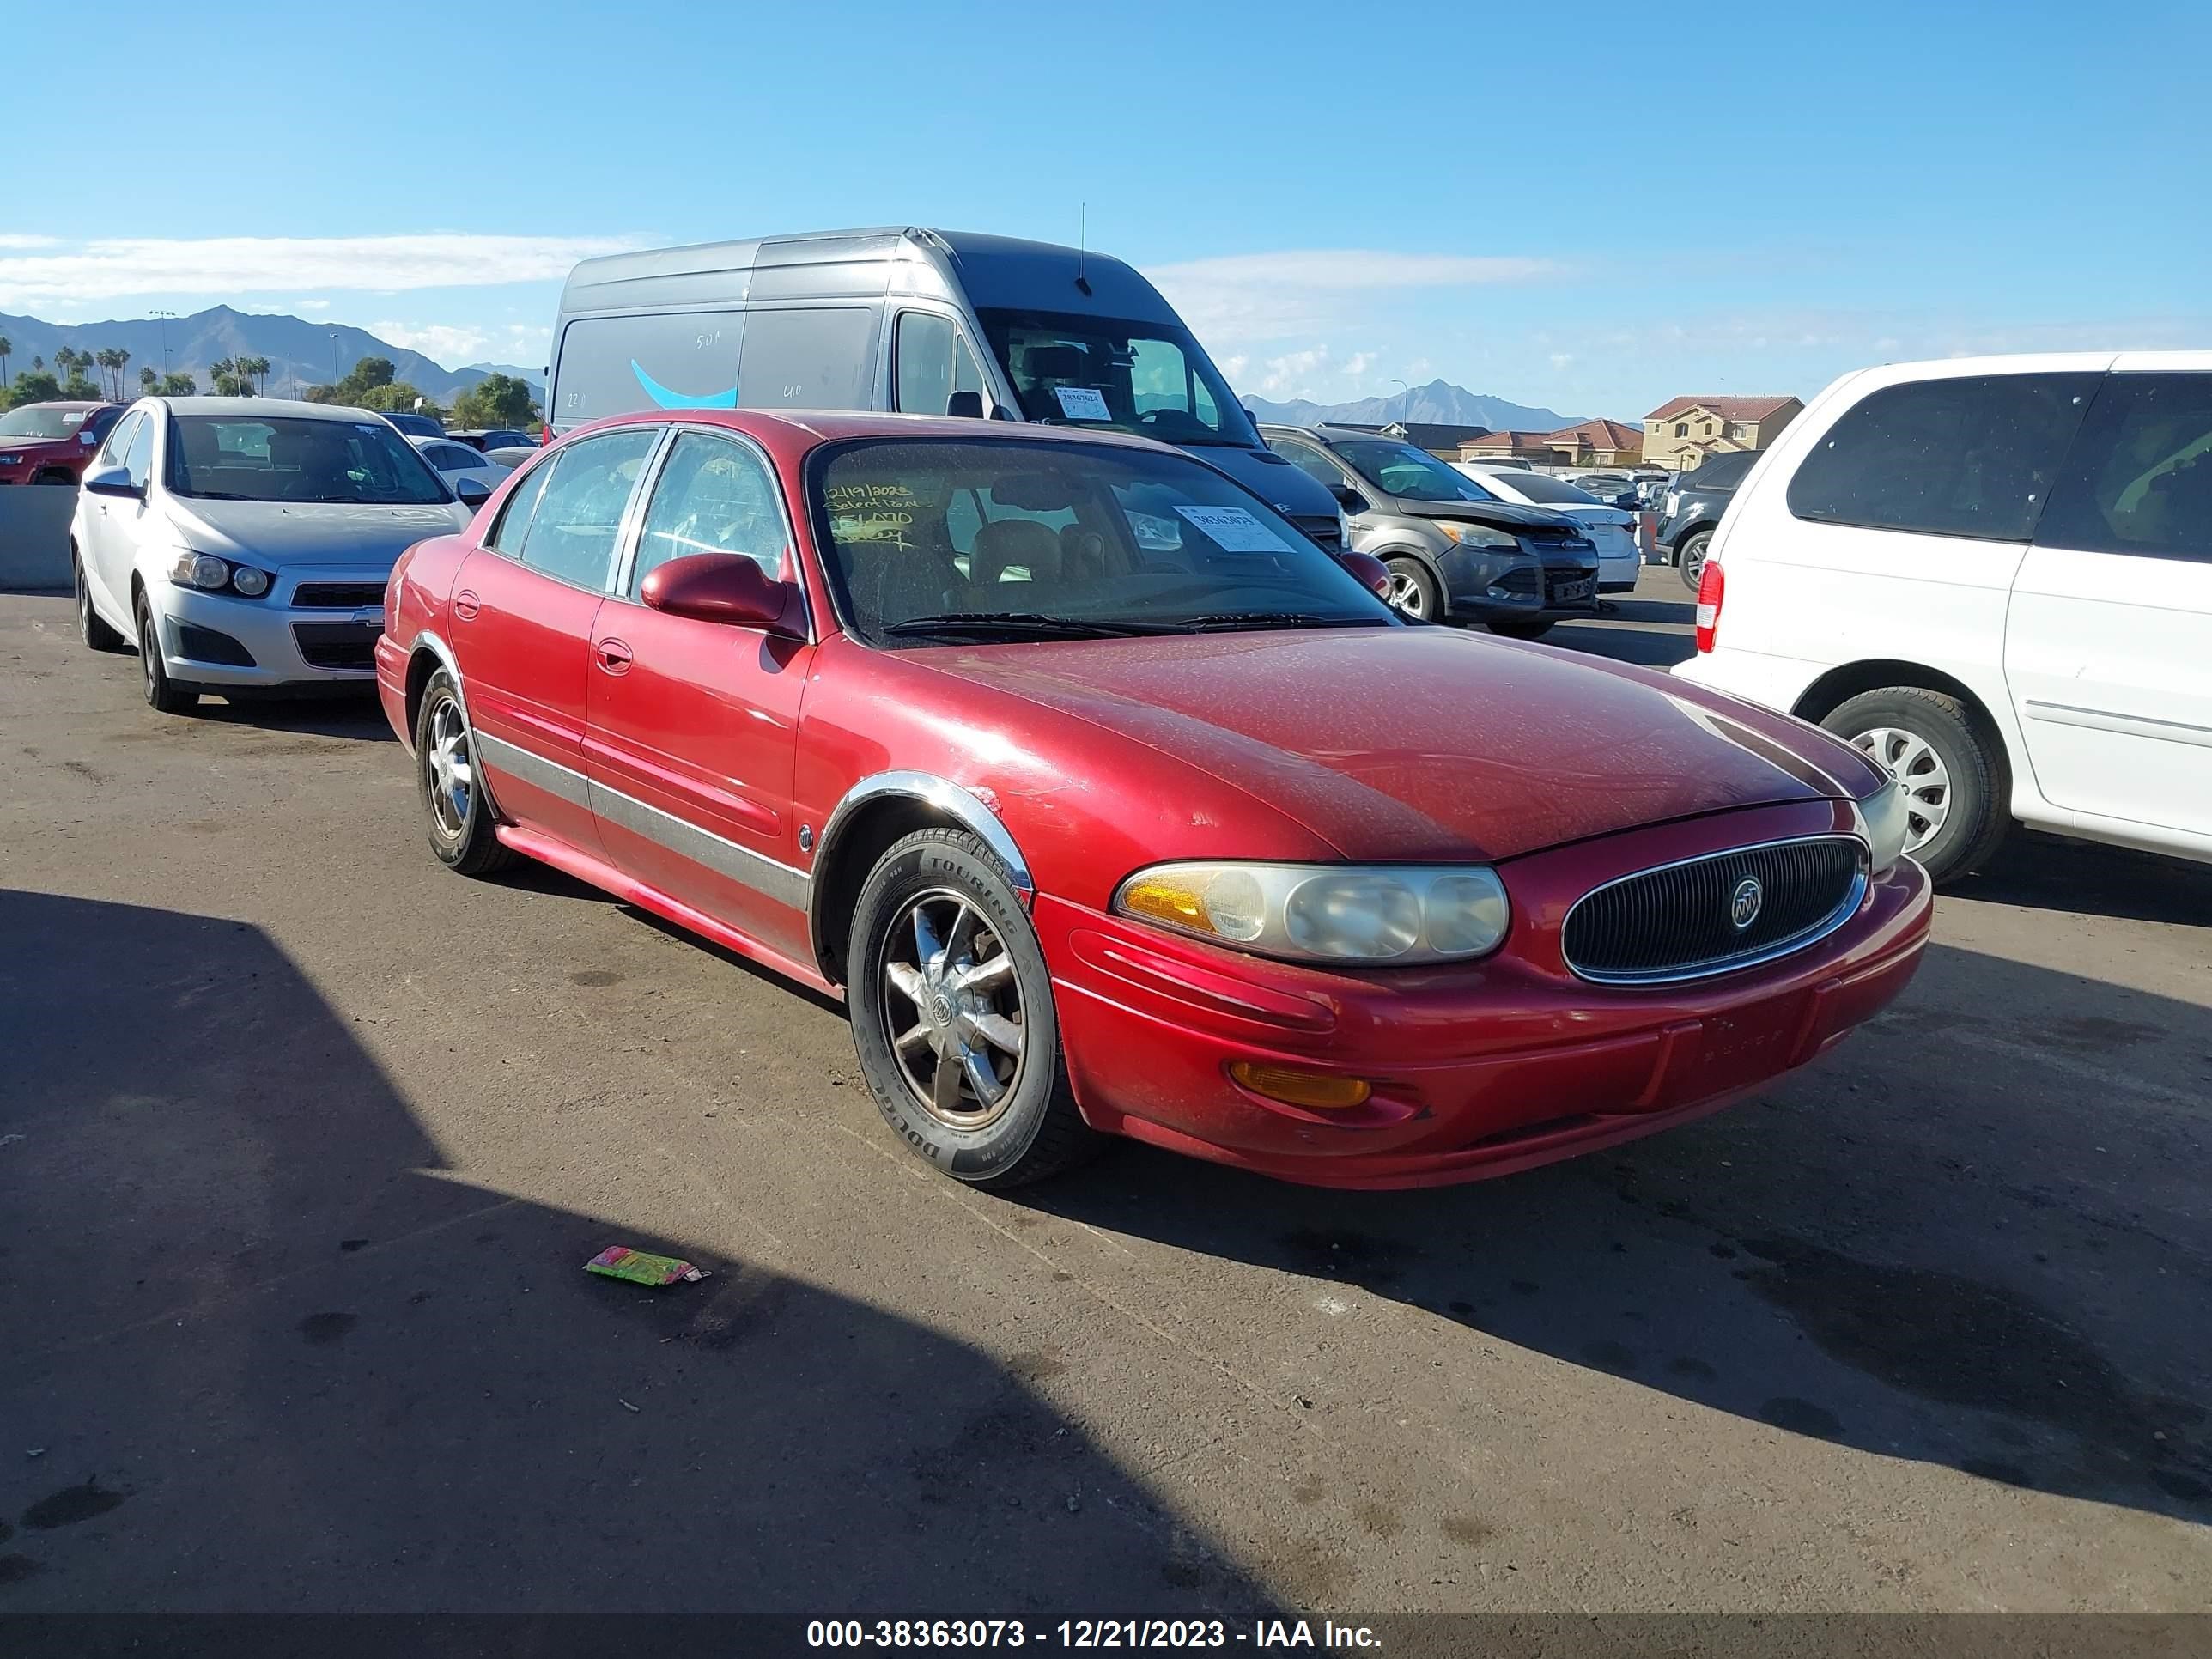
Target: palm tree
[122,362]
[220,377]
[147,379]
[253,370]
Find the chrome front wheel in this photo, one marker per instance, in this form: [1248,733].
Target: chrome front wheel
[953,1002]
[1920,772]
[452,776]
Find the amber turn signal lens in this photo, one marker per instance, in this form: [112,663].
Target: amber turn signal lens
[1319,1091]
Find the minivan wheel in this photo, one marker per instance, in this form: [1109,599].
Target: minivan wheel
[1690,558]
[1954,773]
[455,812]
[952,1016]
[96,633]
[162,693]
[1413,590]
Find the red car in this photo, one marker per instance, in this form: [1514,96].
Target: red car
[52,443]
[1112,805]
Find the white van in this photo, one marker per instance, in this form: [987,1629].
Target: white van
[1996,575]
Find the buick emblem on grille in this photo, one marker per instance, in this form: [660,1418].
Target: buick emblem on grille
[1744,900]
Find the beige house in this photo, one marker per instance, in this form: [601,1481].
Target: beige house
[1531,447]
[1680,434]
[1587,443]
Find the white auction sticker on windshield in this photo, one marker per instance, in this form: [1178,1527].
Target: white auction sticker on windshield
[1234,530]
[1082,402]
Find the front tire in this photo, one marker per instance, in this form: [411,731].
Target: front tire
[163,694]
[953,1019]
[1413,590]
[455,815]
[1955,779]
[96,633]
[1690,558]
[1533,627]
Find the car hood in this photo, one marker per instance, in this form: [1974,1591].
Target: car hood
[304,534]
[1424,743]
[12,445]
[1297,494]
[1596,512]
[1505,515]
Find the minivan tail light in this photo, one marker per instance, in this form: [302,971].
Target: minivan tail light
[1712,585]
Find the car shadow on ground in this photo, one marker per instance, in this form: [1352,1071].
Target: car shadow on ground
[1972,1235]
[360,718]
[268,1353]
[1648,647]
[2050,872]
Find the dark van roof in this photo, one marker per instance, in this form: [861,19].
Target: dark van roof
[995,271]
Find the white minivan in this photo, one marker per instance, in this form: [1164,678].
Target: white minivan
[1994,574]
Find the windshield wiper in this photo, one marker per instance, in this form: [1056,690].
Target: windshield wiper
[1225,620]
[1015,622]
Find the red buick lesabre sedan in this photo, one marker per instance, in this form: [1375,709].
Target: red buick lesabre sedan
[1112,805]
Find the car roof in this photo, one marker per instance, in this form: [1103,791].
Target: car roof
[794,427]
[65,403]
[247,406]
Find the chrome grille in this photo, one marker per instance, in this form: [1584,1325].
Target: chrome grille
[1675,922]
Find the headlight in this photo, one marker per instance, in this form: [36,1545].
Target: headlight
[212,576]
[1888,825]
[10,461]
[1476,535]
[1326,913]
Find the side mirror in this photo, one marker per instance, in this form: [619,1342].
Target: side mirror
[471,492]
[1369,571]
[114,481]
[723,587]
[87,439]
[1348,498]
[965,406]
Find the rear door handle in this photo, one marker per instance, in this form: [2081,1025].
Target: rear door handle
[465,604]
[614,656]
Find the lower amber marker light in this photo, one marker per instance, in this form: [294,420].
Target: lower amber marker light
[1319,1091]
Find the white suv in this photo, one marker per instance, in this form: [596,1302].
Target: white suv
[1994,574]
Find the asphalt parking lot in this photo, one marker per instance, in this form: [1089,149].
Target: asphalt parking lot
[305,1142]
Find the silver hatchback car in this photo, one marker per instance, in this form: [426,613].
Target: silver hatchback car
[243,544]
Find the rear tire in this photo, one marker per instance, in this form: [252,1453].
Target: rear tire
[1690,558]
[455,812]
[1414,591]
[96,633]
[1956,780]
[1515,628]
[931,1006]
[163,694]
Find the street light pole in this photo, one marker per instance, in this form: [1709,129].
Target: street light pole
[165,316]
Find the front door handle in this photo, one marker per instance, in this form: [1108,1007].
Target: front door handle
[465,605]
[614,656]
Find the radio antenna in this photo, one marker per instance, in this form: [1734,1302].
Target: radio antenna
[1082,244]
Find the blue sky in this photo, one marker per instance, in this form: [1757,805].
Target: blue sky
[1589,207]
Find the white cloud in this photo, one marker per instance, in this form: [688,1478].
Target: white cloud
[14,241]
[1290,372]
[110,268]
[1562,360]
[1359,364]
[446,343]
[1247,297]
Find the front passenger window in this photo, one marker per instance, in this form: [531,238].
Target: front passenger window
[138,459]
[572,535]
[119,441]
[713,496]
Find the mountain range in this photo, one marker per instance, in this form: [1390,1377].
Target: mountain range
[313,354]
[1439,402]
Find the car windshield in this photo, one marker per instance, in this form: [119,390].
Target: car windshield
[933,541]
[1542,488]
[1146,378]
[33,422]
[281,458]
[1408,473]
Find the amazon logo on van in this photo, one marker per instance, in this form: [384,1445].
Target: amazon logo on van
[667,399]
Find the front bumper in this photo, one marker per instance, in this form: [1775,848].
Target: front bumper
[1486,586]
[284,642]
[1477,1071]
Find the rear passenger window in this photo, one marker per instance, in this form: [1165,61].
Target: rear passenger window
[808,360]
[573,532]
[2139,478]
[514,516]
[713,496]
[1971,456]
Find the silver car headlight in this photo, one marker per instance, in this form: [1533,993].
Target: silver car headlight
[1476,535]
[1888,825]
[1329,913]
[213,575]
